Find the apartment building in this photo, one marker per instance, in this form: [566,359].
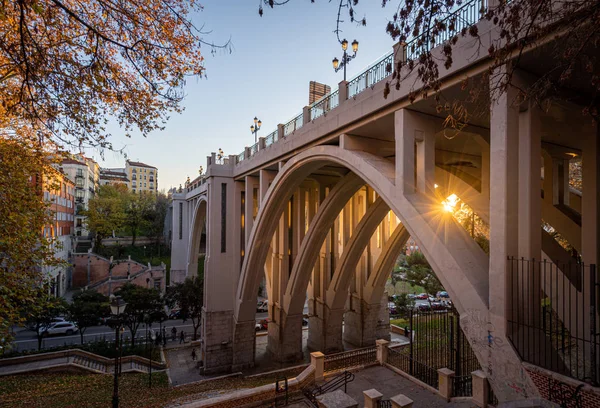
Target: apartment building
[59,192]
[143,177]
[85,173]
[114,177]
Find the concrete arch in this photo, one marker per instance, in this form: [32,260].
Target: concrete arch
[198,221]
[444,242]
[317,232]
[375,286]
[338,288]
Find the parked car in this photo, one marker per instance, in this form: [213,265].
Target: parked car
[442,295]
[392,308]
[31,326]
[262,307]
[423,296]
[63,327]
[304,321]
[422,307]
[175,314]
[438,306]
[412,296]
[262,325]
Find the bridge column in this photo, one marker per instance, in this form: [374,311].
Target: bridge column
[221,348]
[325,329]
[285,332]
[363,325]
[509,379]
[180,244]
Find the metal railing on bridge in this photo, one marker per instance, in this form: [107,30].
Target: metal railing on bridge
[348,359]
[452,25]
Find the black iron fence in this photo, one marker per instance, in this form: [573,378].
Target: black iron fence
[436,341]
[553,316]
[349,359]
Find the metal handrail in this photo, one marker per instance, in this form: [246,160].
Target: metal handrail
[336,382]
[468,16]
[293,125]
[325,104]
[241,156]
[271,138]
[374,73]
[254,149]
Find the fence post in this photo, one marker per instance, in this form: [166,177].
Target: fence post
[401,401]
[410,339]
[306,115]
[481,388]
[280,131]
[593,316]
[382,350]
[317,360]
[445,379]
[372,398]
[343,91]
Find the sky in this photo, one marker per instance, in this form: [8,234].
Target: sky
[267,73]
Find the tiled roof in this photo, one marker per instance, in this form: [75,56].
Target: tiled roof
[140,164]
[73,161]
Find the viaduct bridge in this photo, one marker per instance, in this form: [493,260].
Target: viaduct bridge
[322,207]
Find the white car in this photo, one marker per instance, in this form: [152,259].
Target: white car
[63,327]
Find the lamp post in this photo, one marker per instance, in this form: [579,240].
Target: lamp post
[117,307]
[255,128]
[220,156]
[345,58]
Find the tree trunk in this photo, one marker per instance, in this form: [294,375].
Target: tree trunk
[81,334]
[39,338]
[133,235]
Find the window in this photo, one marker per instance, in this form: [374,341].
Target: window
[180,220]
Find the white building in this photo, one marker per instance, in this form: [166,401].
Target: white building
[85,173]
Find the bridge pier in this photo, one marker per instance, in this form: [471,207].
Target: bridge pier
[325,330]
[285,337]
[366,324]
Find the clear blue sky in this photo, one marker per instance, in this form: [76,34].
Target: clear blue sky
[273,59]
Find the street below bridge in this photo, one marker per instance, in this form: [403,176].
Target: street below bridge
[26,339]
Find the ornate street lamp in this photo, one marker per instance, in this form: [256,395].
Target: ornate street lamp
[345,58]
[220,156]
[201,170]
[255,128]
[117,307]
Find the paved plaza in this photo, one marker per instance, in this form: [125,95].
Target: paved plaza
[391,384]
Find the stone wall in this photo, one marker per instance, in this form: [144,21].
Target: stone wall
[92,270]
[590,396]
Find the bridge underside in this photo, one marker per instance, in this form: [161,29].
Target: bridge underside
[322,215]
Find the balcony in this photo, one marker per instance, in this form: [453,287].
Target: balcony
[151,179]
[79,200]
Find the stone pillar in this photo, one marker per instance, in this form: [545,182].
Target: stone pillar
[445,380]
[481,388]
[399,53]
[529,204]
[317,360]
[343,91]
[505,364]
[372,398]
[306,115]
[401,401]
[382,350]
[425,160]
[261,143]
[405,147]
[280,131]
[243,345]
[361,325]
[285,338]
[325,330]
[250,184]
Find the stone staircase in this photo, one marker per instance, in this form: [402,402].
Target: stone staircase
[77,359]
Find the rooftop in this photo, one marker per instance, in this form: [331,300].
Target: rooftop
[140,164]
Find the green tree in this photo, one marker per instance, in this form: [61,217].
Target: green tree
[141,302]
[87,308]
[106,211]
[42,310]
[404,304]
[157,215]
[138,212]
[418,272]
[189,296]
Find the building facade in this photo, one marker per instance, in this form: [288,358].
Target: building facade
[114,177]
[59,192]
[143,177]
[85,173]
